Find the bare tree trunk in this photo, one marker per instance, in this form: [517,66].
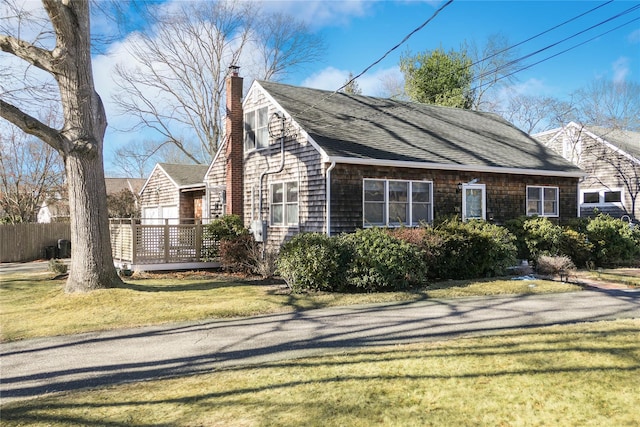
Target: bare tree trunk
[80,141]
[91,259]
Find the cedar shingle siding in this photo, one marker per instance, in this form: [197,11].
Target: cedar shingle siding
[505,193]
[383,139]
[611,160]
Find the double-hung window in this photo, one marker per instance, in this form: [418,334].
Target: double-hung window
[393,203]
[542,201]
[256,132]
[284,203]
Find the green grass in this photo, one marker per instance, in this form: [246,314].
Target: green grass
[34,305]
[575,375]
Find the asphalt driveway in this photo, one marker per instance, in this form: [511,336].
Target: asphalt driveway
[35,367]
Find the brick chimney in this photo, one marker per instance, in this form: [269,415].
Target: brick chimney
[235,144]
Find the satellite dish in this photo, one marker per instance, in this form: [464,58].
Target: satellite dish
[277,125]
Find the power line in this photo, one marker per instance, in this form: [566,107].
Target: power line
[515,61]
[559,53]
[540,34]
[380,59]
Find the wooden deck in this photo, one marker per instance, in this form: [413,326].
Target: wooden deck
[160,245]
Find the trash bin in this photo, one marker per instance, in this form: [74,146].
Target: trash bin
[64,248]
[50,252]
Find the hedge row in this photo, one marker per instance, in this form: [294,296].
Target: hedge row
[377,259]
[602,241]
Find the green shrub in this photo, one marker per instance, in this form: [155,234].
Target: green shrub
[463,250]
[542,237]
[576,246]
[516,228]
[382,262]
[227,227]
[614,242]
[314,261]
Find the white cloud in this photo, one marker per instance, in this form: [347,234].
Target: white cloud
[621,69]
[371,84]
[321,13]
[530,86]
[634,37]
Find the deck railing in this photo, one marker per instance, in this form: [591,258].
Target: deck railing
[136,241]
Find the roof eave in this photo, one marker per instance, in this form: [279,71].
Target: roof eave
[445,166]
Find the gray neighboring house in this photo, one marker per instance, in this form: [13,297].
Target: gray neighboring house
[304,160]
[611,159]
[173,192]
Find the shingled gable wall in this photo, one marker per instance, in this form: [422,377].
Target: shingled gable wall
[578,146]
[159,191]
[302,164]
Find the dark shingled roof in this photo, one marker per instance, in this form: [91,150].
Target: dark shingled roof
[185,175]
[626,140]
[368,128]
[116,185]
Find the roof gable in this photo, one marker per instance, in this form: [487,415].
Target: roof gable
[625,142]
[181,176]
[185,175]
[361,129]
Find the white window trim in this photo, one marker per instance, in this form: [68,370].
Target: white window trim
[466,187]
[284,205]
[601,192]
[255,130]
[542,187]
[410,222]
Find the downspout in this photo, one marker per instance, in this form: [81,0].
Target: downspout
[579,213]
[328,185]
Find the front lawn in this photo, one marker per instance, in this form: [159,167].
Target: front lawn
[34,305]
[570,375]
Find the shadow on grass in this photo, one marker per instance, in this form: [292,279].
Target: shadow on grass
[182,287]
[549,345]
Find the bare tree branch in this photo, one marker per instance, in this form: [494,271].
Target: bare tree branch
[175,82]
[31,125]
[34,55]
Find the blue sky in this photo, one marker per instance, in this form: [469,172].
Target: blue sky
[357,40]
[358,32]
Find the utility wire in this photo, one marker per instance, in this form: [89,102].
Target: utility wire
[515,61]
[557,54]
[539,34]
[378,60]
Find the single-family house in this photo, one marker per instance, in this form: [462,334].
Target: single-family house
[611,159]
[116,185]
[296,159]
[173,192]
[55,208]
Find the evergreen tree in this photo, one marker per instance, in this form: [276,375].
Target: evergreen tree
[438,77]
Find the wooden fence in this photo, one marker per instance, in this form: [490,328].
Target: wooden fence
[28,241]
[160,245]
